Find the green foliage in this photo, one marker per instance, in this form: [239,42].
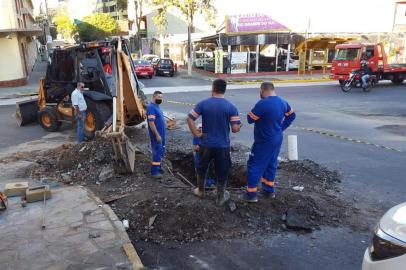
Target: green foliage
[97,26]
[64,25]
[189,9]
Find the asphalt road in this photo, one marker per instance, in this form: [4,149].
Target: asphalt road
[373,172]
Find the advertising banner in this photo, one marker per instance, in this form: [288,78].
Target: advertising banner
[218,61]
[239,62]
[252,23]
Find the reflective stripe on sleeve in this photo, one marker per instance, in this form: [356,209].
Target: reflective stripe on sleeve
[235,119]
[194,113]
[153,163]
[253,116]
[289,112]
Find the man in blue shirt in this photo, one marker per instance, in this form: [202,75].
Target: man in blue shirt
[218,114]
[156,130]
[271,115]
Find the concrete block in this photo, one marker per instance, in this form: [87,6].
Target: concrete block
[35,194]
[15,189]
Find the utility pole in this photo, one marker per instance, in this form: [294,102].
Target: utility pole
[189,50]
[46,29]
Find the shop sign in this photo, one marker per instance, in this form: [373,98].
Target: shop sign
[252,23]
[239,62]
[218,61]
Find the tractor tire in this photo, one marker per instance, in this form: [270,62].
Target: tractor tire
[48,120]
[97,114]
[397,80]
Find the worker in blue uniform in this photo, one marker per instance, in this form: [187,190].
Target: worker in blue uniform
[271,116]
[156,130]
[218,116]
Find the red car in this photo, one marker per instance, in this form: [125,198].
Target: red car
[143,68]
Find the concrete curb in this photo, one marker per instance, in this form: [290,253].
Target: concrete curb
[279,81]
[128,247]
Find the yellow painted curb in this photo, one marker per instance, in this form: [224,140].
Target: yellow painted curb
[281,81]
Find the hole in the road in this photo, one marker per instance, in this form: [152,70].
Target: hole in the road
[184,164]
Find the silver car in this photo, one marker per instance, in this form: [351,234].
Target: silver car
[388,248]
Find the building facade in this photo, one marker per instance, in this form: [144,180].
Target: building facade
[120,15]
[18,49]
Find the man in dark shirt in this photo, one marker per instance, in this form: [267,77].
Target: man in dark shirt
[218,114]
[271,115]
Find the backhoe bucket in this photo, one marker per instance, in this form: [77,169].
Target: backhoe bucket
[26,111]
[131,150]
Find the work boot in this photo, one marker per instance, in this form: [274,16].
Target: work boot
[250,199]
[268,195]
[222,194]
[199,191]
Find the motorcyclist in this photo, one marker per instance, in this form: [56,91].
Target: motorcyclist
[365,73]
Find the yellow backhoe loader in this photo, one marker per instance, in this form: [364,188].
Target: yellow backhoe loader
[112,91]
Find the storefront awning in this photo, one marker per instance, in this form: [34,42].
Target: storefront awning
[321,43]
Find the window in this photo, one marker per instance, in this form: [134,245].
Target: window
[347,54]
[112,8]
[369,52]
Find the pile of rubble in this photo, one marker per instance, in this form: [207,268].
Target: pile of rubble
[166,210]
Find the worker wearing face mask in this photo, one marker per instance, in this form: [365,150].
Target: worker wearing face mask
[156,130]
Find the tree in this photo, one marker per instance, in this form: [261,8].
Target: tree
[97,26]
[64,25]
[189,9]
[138,4]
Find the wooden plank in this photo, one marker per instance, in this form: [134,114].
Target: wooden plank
[133,256]
[115,198]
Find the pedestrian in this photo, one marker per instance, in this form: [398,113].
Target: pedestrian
[156,130]
[196,158]
[271,115]
[218,114]
[79,104]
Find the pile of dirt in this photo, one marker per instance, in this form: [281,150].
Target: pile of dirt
[166,210]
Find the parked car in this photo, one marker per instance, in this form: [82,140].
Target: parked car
[165,66]
[143,68]
[388,248]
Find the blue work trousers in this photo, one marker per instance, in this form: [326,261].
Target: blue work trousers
[80,123]
[158,150]
[262,165]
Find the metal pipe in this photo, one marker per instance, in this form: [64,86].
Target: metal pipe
[114,113]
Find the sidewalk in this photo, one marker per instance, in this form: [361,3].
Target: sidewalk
[39,71]
[253,78]
[81,231]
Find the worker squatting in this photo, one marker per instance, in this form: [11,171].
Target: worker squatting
[271,115]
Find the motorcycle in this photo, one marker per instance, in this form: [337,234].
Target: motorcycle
[355,80]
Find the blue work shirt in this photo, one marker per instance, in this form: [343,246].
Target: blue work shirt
[217,116]
[271,115]
[155,115]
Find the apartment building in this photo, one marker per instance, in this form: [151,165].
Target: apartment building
[18,49]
